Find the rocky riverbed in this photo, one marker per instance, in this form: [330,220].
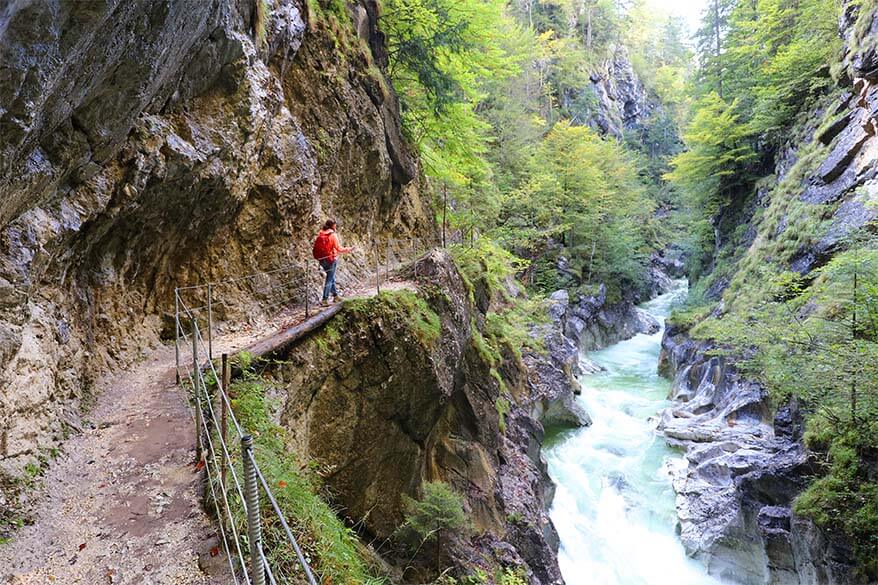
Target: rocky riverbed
[744,464]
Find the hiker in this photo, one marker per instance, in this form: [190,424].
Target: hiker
[326,251]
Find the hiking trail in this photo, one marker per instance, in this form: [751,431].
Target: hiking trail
[121,504]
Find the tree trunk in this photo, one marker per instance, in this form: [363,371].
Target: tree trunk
[588,25]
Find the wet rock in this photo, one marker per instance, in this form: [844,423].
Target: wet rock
[741,471]
[594,324]
[552,374]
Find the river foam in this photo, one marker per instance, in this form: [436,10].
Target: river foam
[614,506]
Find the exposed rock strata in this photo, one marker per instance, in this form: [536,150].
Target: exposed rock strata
[595,324]
[384,407]
[147,144]
[742,469]
[615,101]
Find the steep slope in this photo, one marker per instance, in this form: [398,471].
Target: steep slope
[746,459]
[154,144]
[400,390]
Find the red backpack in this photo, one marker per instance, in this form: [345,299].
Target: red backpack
[323,245]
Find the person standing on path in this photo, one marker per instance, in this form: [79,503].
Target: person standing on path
[327,249]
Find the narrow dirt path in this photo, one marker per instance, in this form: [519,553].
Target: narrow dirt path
[121,504]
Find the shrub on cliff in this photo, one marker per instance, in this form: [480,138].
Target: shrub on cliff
[437,514]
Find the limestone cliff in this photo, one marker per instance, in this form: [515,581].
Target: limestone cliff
[745,462]
[399,390]
[150,144]
[615,99]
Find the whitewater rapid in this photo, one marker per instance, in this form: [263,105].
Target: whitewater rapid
[614,505]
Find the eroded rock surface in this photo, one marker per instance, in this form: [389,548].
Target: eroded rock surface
[741,471]
[384,406]
[152,144]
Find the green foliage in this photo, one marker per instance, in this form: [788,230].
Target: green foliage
[762,64]
[333,548]
[441,54]
[845,500]
[496,98]
[437,513]
[244,360]
[402,306]
[585,192]
[509,318]
[816,339]
[439,509]
[715,163]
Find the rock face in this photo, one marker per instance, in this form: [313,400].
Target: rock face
[617,100]
[149,144]
[593,324]
[742,469]
[745,462]
[553,375]
[384,405]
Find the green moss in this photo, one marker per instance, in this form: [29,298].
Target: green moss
[487,262]
[333,548]
[689,315]
[328,338]
[401,306]
[487,352]
[502,405]
[845,500]
[244,360]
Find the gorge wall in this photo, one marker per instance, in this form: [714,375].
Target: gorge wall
[153,144]
[745,460]
[400,390]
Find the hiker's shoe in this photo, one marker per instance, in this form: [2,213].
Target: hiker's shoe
[324,303]
[336,299]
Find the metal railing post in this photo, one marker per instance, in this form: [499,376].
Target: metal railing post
[388,254]
[209,321]
[177,333]
[224,413]
[197,390]
[254,523]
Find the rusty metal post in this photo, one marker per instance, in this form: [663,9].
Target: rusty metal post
[177,333]
[377,267]
[197,391]
[254,522]
[307,296]
[224,412]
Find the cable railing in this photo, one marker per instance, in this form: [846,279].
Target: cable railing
[236,483]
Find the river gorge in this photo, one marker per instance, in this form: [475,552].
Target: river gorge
[614,505]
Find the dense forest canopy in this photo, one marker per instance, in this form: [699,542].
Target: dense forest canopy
[500,101]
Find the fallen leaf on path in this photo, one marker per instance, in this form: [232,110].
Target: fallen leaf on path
[214,551]
[200,465]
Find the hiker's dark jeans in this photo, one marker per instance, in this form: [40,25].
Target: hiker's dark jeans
[329,267]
